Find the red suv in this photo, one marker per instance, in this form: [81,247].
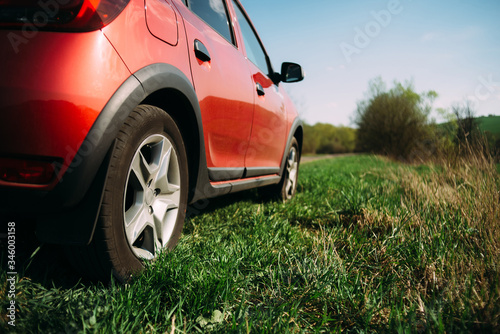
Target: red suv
[115,114]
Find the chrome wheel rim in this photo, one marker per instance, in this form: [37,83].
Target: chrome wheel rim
[292,171]
[152,196]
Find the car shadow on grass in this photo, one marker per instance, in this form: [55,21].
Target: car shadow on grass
[209,206]
[212,204]
[40,263]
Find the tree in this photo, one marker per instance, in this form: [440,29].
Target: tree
[311,139]
[323,138]
[468,126]
[394,122]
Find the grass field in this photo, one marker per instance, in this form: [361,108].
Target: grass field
[490,123]
[367,245]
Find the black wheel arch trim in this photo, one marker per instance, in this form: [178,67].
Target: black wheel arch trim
[295,128]
[129,95]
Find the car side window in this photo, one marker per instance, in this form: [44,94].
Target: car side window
[253,47]
[215,14]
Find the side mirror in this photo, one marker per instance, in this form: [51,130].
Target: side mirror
[291,72]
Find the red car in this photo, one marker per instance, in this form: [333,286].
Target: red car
[115,114]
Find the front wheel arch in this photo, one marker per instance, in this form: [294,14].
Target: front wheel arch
[287,187]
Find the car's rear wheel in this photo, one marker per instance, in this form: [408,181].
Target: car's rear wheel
[144,201]
[287,186]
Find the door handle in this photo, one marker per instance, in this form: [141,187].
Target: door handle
[260,90]
[201,51]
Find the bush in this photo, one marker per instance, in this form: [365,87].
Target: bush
[394,122]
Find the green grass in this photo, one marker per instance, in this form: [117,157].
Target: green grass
[490,123]
[486,123]
[367,245]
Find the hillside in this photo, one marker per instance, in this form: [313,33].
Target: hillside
[490,123]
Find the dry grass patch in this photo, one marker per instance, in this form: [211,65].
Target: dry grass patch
[455,213]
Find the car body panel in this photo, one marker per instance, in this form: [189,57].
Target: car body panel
[225,93]
[56,97]
[268,139]
[130,36]
[269,130]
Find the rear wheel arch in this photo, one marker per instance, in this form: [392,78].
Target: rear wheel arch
[160,85]
[147,84]
[177,106]
[168,88]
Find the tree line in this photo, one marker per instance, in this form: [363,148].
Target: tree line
[323,138]
[395,122]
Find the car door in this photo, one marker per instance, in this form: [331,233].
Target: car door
[222,82]
[268,137]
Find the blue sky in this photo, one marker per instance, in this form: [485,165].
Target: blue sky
[451,47]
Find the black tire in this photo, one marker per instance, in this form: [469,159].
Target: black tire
[145,198]
[287,187]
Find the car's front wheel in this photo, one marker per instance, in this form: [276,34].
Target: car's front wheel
[145,197]
[287,186]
